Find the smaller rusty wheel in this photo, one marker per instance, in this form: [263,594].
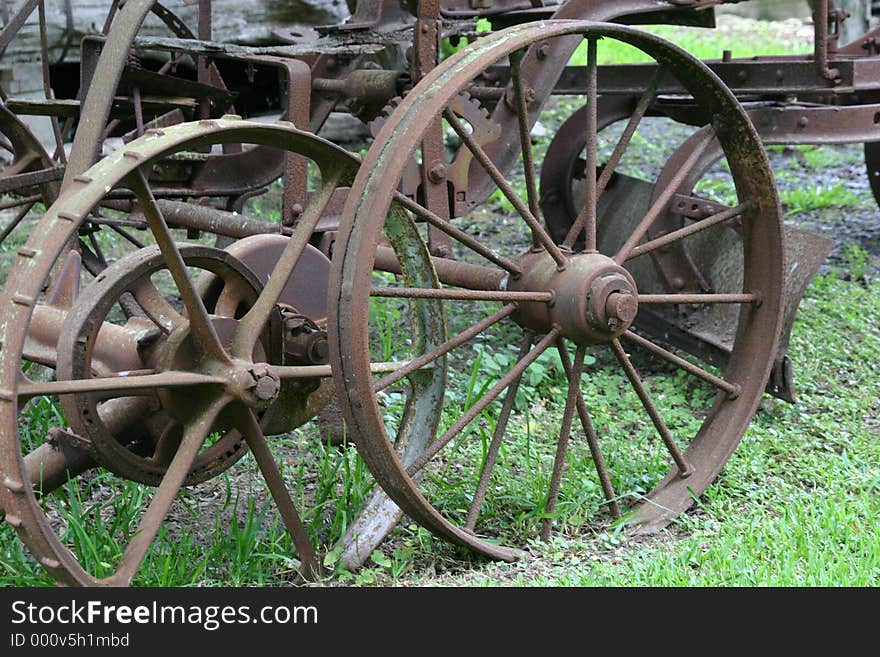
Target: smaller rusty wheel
[469,433]
[166,367]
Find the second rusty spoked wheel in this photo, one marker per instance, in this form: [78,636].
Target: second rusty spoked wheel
[474,386]
[160,373]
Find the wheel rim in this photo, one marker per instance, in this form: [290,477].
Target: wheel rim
[373,198]
[225,379]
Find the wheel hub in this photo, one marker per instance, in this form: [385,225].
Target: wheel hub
[254,384]
[595,299]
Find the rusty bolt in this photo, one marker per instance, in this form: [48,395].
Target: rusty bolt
[803,122]
[319,350]
[266,384]
[437,173]
[259,370]
[543,51]
[621,306]
[296,211]
[442,250]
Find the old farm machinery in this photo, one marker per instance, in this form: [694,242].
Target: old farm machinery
[200,332]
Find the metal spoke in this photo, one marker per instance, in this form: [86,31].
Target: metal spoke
[457,234]
[697,298]
[732,389]
[525,137]
[587,218]
[156,307]
[127,236]
[451,273]
[538,230]
[690,229]
[249,426]
[445,348]
[168,444]
[593,444]
[17,220]
[252,324]
[194,434]
[200,322]
[18,202]
[574,383]
[97,250]
[622,144]
[497,436]
[324,371]
[122,385]
[665,196]
[460,295]
[487,398]
[684,468]
[47,84]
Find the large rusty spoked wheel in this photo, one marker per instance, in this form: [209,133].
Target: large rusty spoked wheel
[464,413]
[166,368]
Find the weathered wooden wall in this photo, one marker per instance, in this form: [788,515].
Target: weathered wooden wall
[238,21]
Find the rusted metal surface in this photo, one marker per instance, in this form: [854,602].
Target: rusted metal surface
[580,277]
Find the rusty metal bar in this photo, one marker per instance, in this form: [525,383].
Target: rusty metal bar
[498,178]
[324,371]
[446,347]
[16,220]
[497,436]
[130,383]
[525,137]
[460,295]
[450,272]
[698,298]
[593,444]
[8,205]
[665,196]
[200,322]
[457,234]
[588,216]
[256,441]
[733,390]
[194,436]
[684,468]
[821,38]
[574,380]
[251,325]
[691,229]
[181,214]
[517,370]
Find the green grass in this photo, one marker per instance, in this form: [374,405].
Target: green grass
[806,199]
[758,39]
[240,542]
[797,504]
